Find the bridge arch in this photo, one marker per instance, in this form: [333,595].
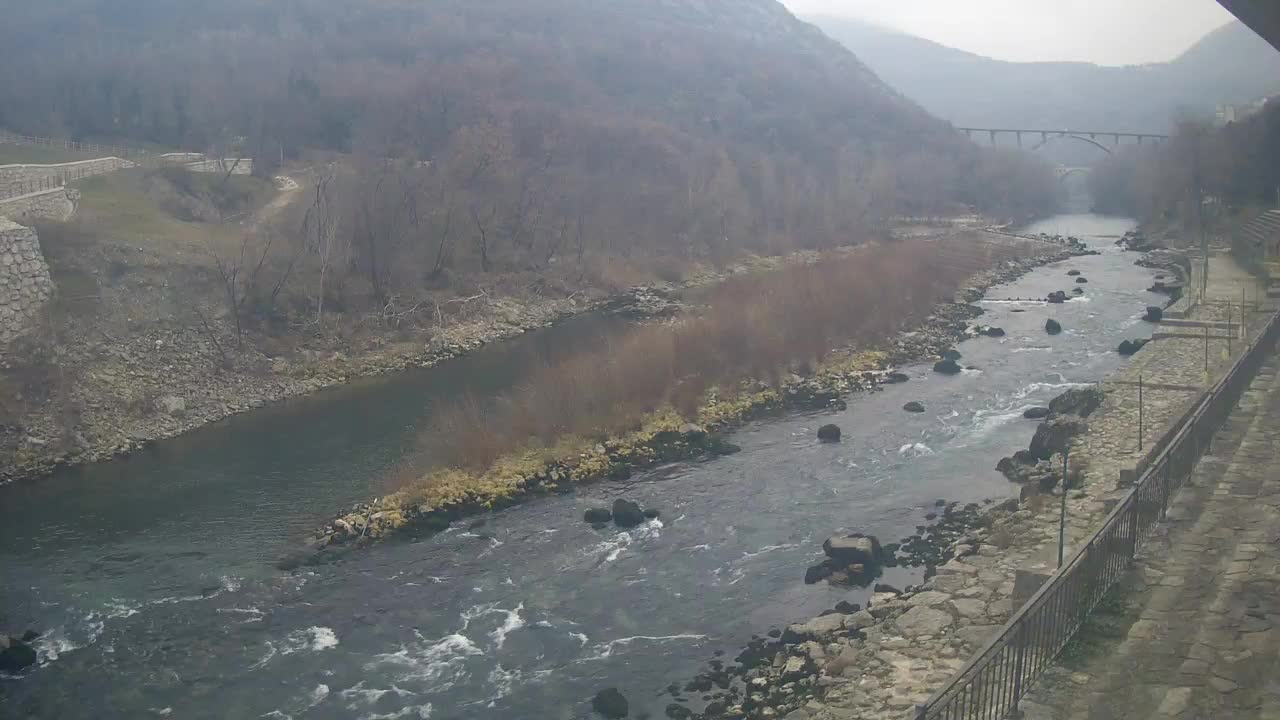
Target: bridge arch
[1068,136]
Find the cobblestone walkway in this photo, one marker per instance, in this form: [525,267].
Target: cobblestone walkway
[1206,594]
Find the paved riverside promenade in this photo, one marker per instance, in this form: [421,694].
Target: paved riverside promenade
[1197,636]
[1204,599]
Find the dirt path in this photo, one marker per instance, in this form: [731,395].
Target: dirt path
[1203,642]
[288,188]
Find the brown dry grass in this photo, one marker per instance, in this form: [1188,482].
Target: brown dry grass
[757,326]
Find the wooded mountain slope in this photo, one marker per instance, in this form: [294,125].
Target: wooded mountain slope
[1229,65]
[689,126]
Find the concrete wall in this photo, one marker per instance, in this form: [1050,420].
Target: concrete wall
[56,204]
[25,285]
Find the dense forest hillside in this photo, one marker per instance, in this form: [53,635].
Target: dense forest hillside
[1229,65]
[684,127]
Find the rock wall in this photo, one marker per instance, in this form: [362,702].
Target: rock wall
[237,166]
[55,204]
[25,285]
[17,176]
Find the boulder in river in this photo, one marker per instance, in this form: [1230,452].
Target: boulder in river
[1053,327]
[947,367]
[1055,436]
[952,355]
[1073,273]
[914,407]
[856,548]
[1036,413]
[829,433]
[1154,314]
[1057,297]
[993,332]
[1131,347]
[15,655]
[1077,291]
[1077,401]
[895,378]
[1082,280]
[627,514]
[595,516]
[610,703]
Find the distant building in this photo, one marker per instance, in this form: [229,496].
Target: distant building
[1227,114]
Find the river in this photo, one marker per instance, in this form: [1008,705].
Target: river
[155,579]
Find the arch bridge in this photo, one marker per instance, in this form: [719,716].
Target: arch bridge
[1093,137]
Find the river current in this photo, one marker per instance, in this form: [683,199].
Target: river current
[154,577]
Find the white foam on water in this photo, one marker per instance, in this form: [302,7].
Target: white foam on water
[422,712]
[266,657]
[765,550]
[277,715]
[974,371]
[439,664]
[610,550]
[318,695]
[247,615]
[358,694]
[605,650]
[582,639]
[314,638]
[915,450]
[163,712]
[1033,348]
[120,609]
[61,640]
[510,624]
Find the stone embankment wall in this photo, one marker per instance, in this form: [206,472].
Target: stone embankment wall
[236,166]
[24,179]
[25,285]
[56,204]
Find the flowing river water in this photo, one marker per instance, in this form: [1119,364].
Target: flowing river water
[155,582]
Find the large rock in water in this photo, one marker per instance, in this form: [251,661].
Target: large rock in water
[1154,314]
[1055,436]
[1077,401]
[829,433]
[610,703]
[1037,413]
[854,549]
[914,407]
[1131,347]
[596,516]
[993,332]
[1053,327]
[1058,297]
[947,367]
[627,514]
[15,655]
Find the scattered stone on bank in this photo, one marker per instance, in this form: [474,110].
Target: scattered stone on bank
[1073,273]
[1053,327]
[1129,348]
[610,703]
[1082,401]
[627,514]
[895,378]
[598,516]
[914,407]
[1154,314]
[172,405]
[947,367]
[1055,436]
[1036,413]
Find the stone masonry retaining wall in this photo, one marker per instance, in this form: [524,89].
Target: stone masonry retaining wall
[25,284]
[55,204]
[22,179]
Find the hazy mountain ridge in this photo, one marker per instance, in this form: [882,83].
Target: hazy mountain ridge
[1229,65]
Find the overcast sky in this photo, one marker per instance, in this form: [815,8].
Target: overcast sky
[1110,32]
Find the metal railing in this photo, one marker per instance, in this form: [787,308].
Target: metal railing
[116,150]
[995,679]
[53,177]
